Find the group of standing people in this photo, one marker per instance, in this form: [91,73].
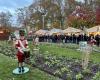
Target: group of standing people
[70,38]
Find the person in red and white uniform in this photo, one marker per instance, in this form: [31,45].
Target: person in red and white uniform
[20,45]
[92,41]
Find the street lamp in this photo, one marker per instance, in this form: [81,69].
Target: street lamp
[49,24]
[43,16]
[43,20]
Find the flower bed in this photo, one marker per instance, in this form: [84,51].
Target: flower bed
[7,49]
[65,68]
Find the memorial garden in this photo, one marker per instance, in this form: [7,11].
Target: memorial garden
[50,40]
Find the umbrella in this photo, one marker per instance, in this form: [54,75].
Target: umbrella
[41,32]
[55,31]
[94,29]
[71,30]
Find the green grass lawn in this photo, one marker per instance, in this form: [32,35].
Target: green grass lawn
[71,53]
[7,65]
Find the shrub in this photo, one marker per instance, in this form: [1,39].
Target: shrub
[87,72]
[97,76]
[65,69]
[79,76]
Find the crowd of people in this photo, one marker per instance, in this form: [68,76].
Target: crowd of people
[73,38]
[70,38]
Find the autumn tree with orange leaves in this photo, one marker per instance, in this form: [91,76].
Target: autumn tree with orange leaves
[81,17]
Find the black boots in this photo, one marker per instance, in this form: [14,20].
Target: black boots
[21,69]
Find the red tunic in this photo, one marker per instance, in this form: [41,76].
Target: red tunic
[92,42]
[20,53]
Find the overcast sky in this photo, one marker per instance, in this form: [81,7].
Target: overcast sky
[12,5]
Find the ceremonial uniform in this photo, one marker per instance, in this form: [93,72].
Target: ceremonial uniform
[20,53]
[21,45]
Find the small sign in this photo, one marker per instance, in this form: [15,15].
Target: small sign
[83,45]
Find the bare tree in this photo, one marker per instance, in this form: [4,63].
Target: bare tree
[5,19]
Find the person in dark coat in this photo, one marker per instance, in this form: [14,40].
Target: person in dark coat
[97,38]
